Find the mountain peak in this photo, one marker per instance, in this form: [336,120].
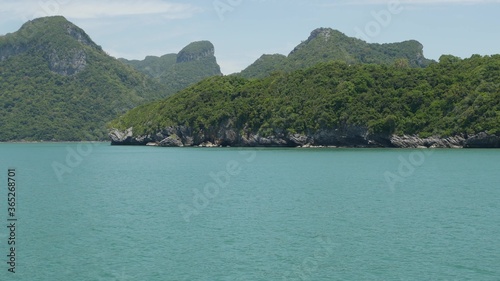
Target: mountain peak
[323,36]
[56,25]
[57,84]
[64,45]
[196,51]
[327,44]
[194,63]
[325,33]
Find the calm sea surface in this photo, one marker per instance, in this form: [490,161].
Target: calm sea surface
[97,212]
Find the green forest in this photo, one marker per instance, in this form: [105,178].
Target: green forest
[194,63]
[56,84]
[453,96]
[326,44]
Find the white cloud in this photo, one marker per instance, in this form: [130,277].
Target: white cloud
[29,9]
[413,2]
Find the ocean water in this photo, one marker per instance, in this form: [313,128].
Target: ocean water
[100,212]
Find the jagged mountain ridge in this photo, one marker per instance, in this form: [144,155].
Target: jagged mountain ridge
[326,44]
[67,59]
[192,64]
[57,84]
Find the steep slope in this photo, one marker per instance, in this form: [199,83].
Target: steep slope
[265,65]
[325,44]
[57,84]
[153,66]
[177,71]
[452,103]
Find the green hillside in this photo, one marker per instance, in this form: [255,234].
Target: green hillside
[57,84]
[325,45]
[153,66]
[448,98]
[177,71]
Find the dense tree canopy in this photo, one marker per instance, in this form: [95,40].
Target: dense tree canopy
[56,84]
[194,63]
[326,44]
[451,97]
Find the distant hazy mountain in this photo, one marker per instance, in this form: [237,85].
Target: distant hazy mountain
[325,44]
[57,84]
[177,71]
[152,66]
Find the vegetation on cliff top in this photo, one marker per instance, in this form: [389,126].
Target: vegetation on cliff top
[326,45]
[451,97]
[194,63]
[56,84]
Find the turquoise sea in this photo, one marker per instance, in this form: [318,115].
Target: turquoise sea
[100,212]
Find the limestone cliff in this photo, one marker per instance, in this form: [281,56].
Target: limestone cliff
[196,51]
[180,136]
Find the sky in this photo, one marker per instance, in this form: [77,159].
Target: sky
[243,30]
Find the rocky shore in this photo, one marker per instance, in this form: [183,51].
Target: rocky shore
[181,136]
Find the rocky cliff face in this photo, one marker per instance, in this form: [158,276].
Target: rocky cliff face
[42,105]
[79,35]
[180,136]
[327,45]
[69,64]
[196,51]
[194,63]
[324,34]
[62,44]
[483,140]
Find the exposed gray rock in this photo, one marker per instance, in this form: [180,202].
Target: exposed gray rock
[196,51]
[226,136]
[354,136]
[483,140]
[172,141]
[118,137]
[80,36]
[207,144]
[69,65]
[249,140]
[299,140]
[431,142]
[127,138]
[188,141]
[273,141]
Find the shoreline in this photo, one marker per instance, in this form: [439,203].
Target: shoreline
[306,147]
[157,145]
[49,142]
[348,137]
